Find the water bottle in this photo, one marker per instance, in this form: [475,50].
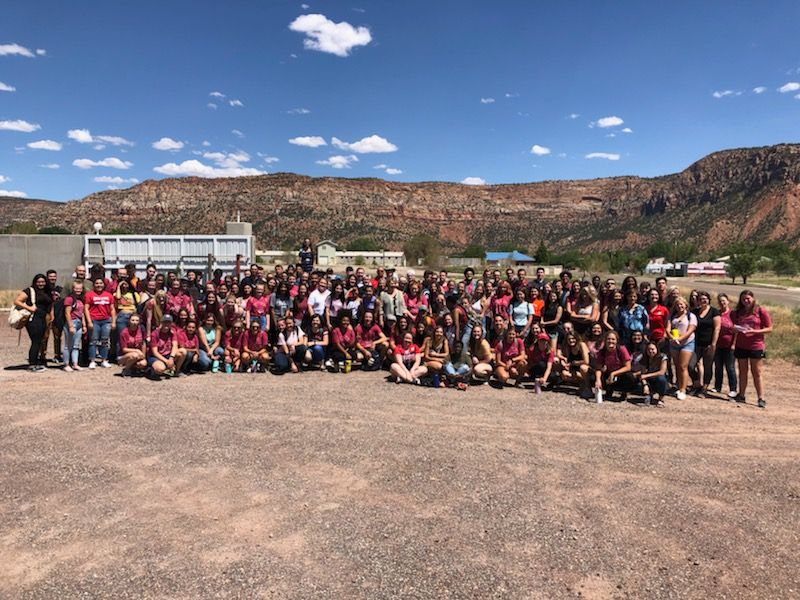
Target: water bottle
[435,380]
[537,387]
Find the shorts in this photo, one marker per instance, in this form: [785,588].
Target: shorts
[685,347]
[744,353]
[151,360]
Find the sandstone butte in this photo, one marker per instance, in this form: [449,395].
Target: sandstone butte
[742,194]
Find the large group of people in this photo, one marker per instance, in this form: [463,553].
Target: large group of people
[601,340]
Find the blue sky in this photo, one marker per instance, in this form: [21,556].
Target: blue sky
[114,93]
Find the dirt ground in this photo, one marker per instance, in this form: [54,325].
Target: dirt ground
[346,486]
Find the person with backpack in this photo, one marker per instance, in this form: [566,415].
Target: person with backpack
[74,326]
[38,303]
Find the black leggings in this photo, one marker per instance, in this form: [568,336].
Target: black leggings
[282,360]
[36,327]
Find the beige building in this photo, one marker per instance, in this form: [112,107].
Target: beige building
[328,255]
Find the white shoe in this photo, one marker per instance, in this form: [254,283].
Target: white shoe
[733,394]
[67,369]
[598,396]
[680,395]
[713,390]
[329,364]
[105,364]
[77,368]
[92,365]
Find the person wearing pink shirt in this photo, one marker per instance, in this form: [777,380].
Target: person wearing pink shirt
[163,349]
[188,348]
[723,354]
[177,299]
[101,317]
[132,351]
[751,323]
[255,348]
[234,341]
[257,308]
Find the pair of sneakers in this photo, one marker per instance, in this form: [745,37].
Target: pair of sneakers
[105,364]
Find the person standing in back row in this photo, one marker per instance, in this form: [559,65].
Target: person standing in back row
[306,256]
[751,322]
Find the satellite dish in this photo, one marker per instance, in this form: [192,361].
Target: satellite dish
[97,226]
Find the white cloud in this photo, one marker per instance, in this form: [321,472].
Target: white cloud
[230,160]
[540,150]
[211,105]
[194,168]
[293,55]
[115,180]
[4,179]
[605,155]
[759,90]
[611,135]
[168,144]
[473,181]
[562,155]
[84,136]
[380,166]
[511,95]
[723,93]
[305,6]
[41,52]
[13,194]
[792,86]
[373,144]
[607,122]
[217,95]
[15,49]
[51,166]
[271,159]
[627,130]
[19,125]
[324,35]
[4,87]
[206,143]
[111,162]
[237,133]
[99,147]
[298,111]
[339,161]
[45,145]
[797,96]
[393,171]
[310,141]
[235,102]
[573,116]
[487,100]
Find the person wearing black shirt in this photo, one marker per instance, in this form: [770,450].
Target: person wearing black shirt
[38,301]
[705,337]
[306,255]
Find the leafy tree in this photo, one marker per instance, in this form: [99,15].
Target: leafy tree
[363,244]
[786,264]
[638,262]
[616,261]
[542,254]
[21,228]
[423,247]
[742,265]
[474,251]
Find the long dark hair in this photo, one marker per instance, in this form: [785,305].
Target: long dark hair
[36,290]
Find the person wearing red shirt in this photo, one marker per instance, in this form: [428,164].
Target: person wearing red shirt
[234,341]
[163,348]
[751,322]
[510,358]
[658,317]
[132,352]
[371,343]
[343,344]
[407,365]
[540,359]
[101,319]
[188,347]
[257,308]
[613,368]
[255,348]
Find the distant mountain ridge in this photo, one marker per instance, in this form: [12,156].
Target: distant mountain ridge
[741,194]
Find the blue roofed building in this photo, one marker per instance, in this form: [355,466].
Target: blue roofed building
[514,258]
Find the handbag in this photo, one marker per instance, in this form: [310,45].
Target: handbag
[19,317]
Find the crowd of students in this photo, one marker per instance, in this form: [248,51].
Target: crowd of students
[505,329]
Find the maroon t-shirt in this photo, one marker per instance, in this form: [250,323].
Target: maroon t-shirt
[162,341]
[346,339]
[131,340]
[368,337]
[184,341]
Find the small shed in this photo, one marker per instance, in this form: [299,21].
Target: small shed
[326,253]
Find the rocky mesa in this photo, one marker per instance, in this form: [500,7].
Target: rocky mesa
[751,193]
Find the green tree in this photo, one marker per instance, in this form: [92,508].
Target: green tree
[785,264]
[474,251]
[363,244]
[638,262]
[54,230]
[742,265]
[542,254]
[423,247]
[22,228]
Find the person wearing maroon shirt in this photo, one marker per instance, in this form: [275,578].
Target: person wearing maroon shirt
[723,355]
[234,341]
[407,365]
[540,358]
[751,322]
[257,308]
[177,299]
[163,349]
[343,344]
[101,320]
[132,352]
[371,343]
[613,368]
[510,359]
[255,348]
[188,348]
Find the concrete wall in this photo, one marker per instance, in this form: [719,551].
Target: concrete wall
[23,256]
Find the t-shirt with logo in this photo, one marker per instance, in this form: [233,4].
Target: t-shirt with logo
[99,305]
[506,352]
[256,342]
[133,341]
[257,307]
[162,341]
[407,355]
[184,341]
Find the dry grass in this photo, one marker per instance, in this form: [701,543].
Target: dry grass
[784,341]
[7,298]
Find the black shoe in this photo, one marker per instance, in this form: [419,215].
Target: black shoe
[762,403]
[740,399]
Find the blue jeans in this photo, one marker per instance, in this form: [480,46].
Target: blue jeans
[317,354]
[73,342]
[101,333]
[658,385]
[205,361]
[453,372]
[723,357]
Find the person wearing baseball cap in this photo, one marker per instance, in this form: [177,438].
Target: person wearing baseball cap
[540,360]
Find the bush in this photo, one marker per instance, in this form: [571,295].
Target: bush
[54,230]
[423,247]
[785,264]
[363,244]
[742,265]
[542,254]
[474,251]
